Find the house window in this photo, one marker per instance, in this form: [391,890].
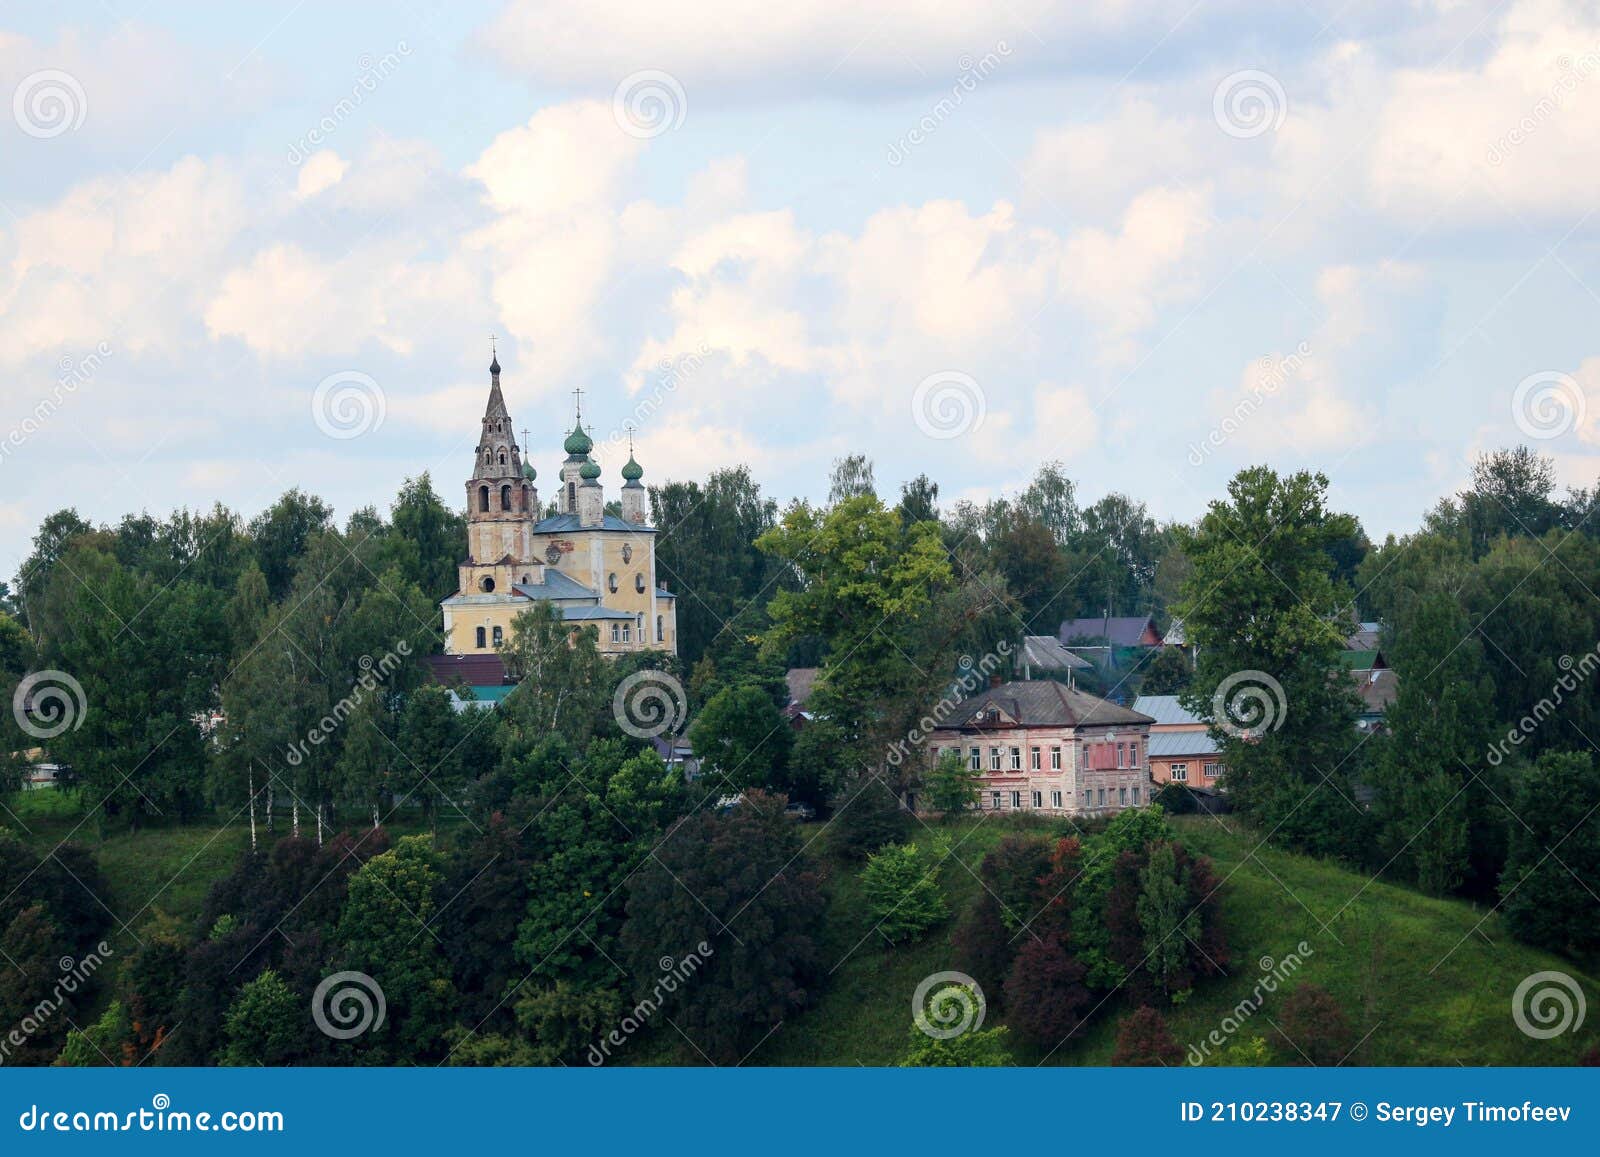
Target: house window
[483,499]
[1055,799]
[1180,773]
[612,583]
[994,759]
[1122,755]
[1209,770]
[482,638]
[1038,799]
[1122,796]
[661,629]
[1016,800]
[1088,798]
[994,800]
[1033,758]
[975,759]
[616,633]
[627,632]
[638,583]
[1055,759]
[499,636]
[1016,759]
[1133,750]
[1102,797]
[1135,797]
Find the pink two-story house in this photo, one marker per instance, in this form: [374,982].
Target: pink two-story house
[1046,747]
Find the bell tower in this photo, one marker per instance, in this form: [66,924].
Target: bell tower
[502,505]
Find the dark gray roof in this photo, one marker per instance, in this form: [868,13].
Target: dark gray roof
[1044,704]
[555,586]
[1046,653]
[590,613]
[1124,631]
[568,523]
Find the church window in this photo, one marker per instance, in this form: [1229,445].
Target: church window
[481,638]
[505,496]
[661,632]
[627,633]
[527,579]
[612,583]
[499,636]
[502,457]
[572,497]
[627,552]
[486,584]
[638,583]
[616,633]
[483,498]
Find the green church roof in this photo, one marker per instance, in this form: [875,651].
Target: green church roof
[590,470]
[577,442]
[529,472]
[632,471]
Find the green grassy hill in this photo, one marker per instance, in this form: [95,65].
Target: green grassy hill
[1431,980]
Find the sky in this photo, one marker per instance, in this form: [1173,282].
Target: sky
[248,247]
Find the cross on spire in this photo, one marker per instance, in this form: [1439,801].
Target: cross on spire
[577,403]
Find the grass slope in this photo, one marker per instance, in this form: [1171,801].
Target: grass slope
[1430,980]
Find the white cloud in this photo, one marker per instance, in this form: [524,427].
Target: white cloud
[320,172]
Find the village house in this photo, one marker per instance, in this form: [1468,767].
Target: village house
[1181,747]
[1047,747]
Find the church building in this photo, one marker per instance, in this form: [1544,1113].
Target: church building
[597,568]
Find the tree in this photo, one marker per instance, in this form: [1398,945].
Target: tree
[1312,1029]
[1263,610]
[919,501]
[1144,1039]
[1554,850]
[387,932]
[733,888]
[426,538]
[952,785]
[867,814]
[280,534]
[1168,673]
[742,740]
[264,1025]
[1046,997]
[851,478]
[562,682]
[428,764]
[901,883]
[56,535]
[32,1005]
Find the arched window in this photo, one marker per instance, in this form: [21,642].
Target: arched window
[483,498]
[505,497]
[502,457]
[616,633]
[481,640]
[661,629]
[638,583]
[572,496]
[627,633]
[612,583]
[527,579]
[499,636]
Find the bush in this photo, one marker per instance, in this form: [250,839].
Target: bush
[983,1049]
[902,888]
[1046,998]
[1312,1029]
[1144,1039]
[867,815]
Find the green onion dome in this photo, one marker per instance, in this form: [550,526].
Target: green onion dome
[632,471]
[589,471]
[577,442]
[529,472]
